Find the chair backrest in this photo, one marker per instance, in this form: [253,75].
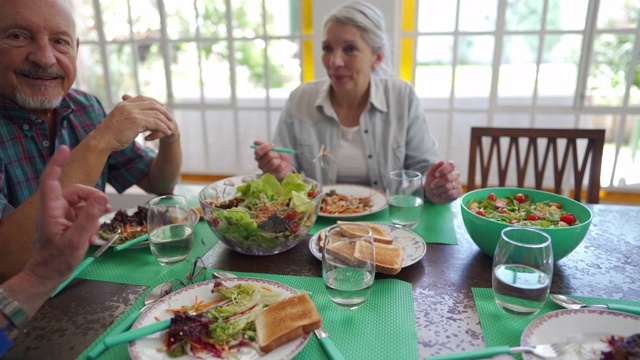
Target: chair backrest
[533,138]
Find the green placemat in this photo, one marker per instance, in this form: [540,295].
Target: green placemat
[435,227]
[500,329]
[383,328]
[139,267]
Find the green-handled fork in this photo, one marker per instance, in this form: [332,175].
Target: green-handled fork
[545,351]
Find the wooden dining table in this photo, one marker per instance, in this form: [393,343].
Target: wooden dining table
[604,265]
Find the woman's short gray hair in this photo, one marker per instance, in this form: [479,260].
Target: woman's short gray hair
[370,21]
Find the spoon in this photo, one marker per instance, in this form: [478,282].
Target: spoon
[222,275]
[153,297]
[571,303]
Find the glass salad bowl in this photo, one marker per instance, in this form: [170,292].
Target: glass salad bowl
[258,215]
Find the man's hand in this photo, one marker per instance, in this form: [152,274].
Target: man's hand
[133,116]
[67,221]
[275,163]
[442,184]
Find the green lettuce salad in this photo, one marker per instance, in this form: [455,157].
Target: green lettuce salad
[266,214]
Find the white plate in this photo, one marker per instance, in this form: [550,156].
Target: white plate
[147,348]
[379,199]
[591,326]
[412,244]
[130,211]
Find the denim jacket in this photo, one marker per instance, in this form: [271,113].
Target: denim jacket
[393,127]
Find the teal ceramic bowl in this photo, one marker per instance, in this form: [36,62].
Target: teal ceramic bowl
[486,232]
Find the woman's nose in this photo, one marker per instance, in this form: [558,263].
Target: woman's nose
[336,59]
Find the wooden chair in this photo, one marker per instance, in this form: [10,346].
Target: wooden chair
[541,144]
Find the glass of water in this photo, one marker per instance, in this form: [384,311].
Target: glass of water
[522,270]
[170,229]
[405,195]
[348,264]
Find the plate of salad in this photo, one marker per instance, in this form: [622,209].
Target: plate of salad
[595,331]
[132,223]
[348,201]
[225,328]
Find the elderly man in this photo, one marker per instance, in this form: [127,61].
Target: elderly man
[39,112]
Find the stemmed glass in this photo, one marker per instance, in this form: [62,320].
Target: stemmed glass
[405,194]
[348,265]
[522,270]
[170,229]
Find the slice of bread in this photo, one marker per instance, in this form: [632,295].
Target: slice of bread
[343,251]
[379,235]
[286,320]
[388,257]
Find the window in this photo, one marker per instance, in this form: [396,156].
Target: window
[224,67]
[533,63]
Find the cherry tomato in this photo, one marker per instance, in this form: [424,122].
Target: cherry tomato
[492,197]
[500,204]
[568,219]
[503,211]
[481,213]
[532,217]
[312,194]
[520,198]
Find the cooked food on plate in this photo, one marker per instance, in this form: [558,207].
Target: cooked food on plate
[520,209]
[247,314]
[286,320]
[389,256]
[131,226]
[379,235]
[334,203]
[622,348]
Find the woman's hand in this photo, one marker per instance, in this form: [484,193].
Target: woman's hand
[442,182]
[275,163]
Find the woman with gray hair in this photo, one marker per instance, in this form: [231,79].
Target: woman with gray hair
[359,123]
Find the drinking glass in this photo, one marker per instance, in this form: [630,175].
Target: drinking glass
[522,270]
[405,195]
[170,229]
[348,264]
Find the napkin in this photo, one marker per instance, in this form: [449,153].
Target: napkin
[500,328]
[435,227]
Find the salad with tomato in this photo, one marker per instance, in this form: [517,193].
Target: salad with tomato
[221,326]
[520,209]
[264,213]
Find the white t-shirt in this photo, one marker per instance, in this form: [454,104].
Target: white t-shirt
[352,162]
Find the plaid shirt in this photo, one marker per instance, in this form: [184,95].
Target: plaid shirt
[25,148]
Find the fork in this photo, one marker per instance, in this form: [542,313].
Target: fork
[545,351]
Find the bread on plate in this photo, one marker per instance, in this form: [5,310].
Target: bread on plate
[388,257]
[286,320]
[379,235]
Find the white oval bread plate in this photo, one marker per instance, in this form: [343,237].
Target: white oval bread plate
[589,326]
[147,348]
[108,217]
[379,199]
[412,244]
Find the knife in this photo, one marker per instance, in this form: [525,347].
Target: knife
[327,344]
[86,262]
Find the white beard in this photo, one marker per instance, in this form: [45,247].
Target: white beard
[38,102]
